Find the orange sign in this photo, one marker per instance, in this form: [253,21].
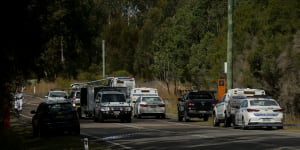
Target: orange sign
[221,88]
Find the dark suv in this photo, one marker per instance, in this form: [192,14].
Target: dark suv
[55,117]
[196,104]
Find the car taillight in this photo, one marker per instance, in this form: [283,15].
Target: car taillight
[278,110]
[252,110]
[190,103]
[143,105]
[161,105]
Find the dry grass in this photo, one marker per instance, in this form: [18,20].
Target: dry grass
[41,88]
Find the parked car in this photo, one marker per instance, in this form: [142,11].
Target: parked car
[55,95]
[196,103]
[149,106]
[259,112]
[55,117]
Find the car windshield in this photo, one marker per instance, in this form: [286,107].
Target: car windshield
[263,103]
[151,99]
[60,107]
[58,94]
[200,96]
[113,98]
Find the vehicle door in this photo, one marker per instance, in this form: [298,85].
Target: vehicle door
[242,111]
[219,107]
[238,113]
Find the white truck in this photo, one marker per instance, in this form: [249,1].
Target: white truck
[121,81]
[224,111]
[87,99]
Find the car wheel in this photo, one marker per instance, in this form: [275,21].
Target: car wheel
[163,116]
[185,117]
[34,132]
[41,132]
[129,119]
[244,127]
[96,118]
[280,127]
[216,122]
[205,118]
[139,116]
[179,116]
[227,121]
[100,117]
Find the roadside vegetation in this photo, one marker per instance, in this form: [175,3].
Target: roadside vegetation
[171,45]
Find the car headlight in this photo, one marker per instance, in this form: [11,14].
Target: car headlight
[104,108]
[125,108]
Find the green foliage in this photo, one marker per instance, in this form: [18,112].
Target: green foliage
[120,73]
[178,40]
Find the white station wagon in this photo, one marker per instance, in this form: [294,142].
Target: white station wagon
[259,112]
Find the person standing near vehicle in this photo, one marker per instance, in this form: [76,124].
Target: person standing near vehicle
[18,102]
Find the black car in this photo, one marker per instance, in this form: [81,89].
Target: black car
[55,117]
[197,103]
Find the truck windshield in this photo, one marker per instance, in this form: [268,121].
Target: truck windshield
[200,96]
[113,98]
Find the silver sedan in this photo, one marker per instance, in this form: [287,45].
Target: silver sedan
[149,106]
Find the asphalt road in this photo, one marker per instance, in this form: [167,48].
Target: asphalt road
[169,134]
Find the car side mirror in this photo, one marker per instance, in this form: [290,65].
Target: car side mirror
[33,112]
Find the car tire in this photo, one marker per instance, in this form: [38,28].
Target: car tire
[179,116]
[244,127]
[205,118]
[34,132]
[41,132]
[128,119]
[279,128]
[163,116]
[139,116]
[96,118]
[100,117]
[216,121]
[227,121]
[185,117]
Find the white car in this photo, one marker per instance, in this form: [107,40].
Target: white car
[149,106]
[56,96]
[259,112]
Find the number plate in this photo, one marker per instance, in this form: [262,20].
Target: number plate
[266,120]
[116,112]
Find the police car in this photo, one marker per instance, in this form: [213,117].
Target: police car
[259,112]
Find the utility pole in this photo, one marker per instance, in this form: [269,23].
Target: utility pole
[62,50]
[103,58]
[229,45]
